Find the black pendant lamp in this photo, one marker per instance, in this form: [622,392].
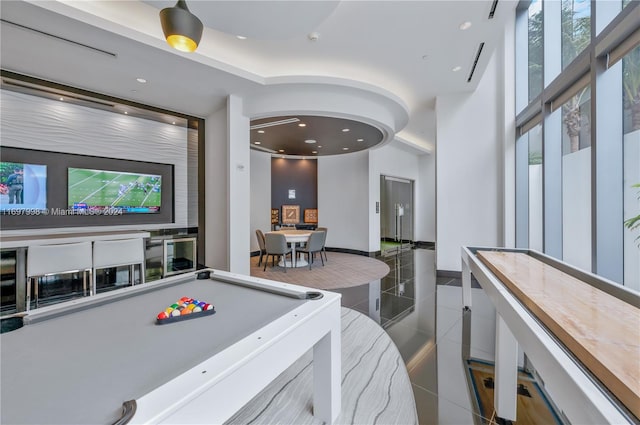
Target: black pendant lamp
[181,28]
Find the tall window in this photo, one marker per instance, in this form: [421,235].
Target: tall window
[535,188]
[576,179]
[535,20]
[576,29]
[631,166]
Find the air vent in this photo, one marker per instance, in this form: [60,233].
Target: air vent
[475,62]
[46,34]
[262,148]
[492,11]
[274,123]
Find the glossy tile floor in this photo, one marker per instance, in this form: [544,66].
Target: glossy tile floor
[424,317]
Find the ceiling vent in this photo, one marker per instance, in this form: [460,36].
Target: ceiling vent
[274,123]
[262,148]
[475,62]
[492,11]
[66,40]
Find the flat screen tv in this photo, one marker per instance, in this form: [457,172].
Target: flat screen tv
[115,192]
[23,188]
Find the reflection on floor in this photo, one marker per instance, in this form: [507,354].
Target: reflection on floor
[533,407]
[424,317]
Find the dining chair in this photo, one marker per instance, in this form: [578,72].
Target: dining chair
[325,230]
[276,246]
[314,244]
[261,244]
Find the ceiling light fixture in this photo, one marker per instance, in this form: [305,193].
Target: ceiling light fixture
[360,140]
[310,141]
[314,151]
[241,37]
[345,149]
[141,80]
[281,150]
[344,130]
[182,29]
[173,122]
[457,68]
[302,124]
[256,143]
[261,131]
[62,98]
[465,25]
[126,113]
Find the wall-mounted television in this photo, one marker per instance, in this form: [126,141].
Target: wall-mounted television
[113,192]
[23,188]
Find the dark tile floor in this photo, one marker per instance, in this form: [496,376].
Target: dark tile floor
[423,315]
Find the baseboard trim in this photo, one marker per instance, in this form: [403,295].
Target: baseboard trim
[352,251]
[424,245]
[449,273]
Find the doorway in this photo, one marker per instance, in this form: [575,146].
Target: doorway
[396,214]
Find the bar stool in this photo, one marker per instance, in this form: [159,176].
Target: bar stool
[118,253]
[49,260]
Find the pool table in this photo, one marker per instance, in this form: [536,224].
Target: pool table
[104,359]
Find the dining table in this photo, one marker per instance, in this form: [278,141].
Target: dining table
[294,237]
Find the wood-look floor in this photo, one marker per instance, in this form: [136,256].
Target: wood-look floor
[602,331]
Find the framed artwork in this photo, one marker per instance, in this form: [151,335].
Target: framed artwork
[291,214]
[275,216]
[311,215]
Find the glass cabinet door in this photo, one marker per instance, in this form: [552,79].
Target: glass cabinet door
[179,255]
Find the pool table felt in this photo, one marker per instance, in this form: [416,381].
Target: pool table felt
[79,368]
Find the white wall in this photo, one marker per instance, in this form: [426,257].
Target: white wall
[425,190]
[260,195]
[216,231]
[34,122]
[388,160]
[343,196]
[469,160]
[239,189]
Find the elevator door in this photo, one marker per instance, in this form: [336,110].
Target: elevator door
[396,215]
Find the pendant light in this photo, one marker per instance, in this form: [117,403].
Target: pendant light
[181,28]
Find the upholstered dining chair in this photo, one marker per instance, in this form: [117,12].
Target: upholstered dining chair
[276,246]
[314,244]
[325,230]
[261,244]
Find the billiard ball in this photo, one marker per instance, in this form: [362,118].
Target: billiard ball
[175,313]
[162,315]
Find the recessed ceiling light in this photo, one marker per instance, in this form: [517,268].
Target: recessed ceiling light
[302,124]
[319,146]
[281,150]
[261,131]
[141,80]
[344,130]
[345,149]
[282,157]
[310,141]
[314,151]
[360,140]
[456,69]
[241,37]
[62,98]
[465,25]
[256,143]
[126,113]
[173,122]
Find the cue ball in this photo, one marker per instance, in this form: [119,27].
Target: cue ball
[175,313]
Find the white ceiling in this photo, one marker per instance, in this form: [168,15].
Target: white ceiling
[403,51]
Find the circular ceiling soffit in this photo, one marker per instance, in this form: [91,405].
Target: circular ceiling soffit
[283,135]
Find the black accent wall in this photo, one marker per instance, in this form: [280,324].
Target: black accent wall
[300,175]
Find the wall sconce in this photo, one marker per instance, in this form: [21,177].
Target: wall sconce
[182,29]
